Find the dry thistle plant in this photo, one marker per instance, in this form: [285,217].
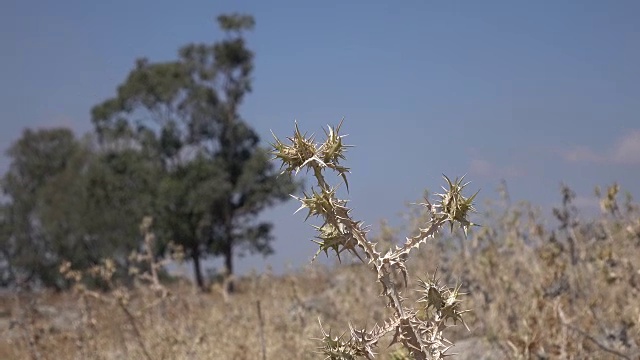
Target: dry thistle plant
[419,328]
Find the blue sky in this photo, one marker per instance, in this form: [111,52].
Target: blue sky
[535,93]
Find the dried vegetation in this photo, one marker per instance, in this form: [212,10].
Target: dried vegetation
[535,289]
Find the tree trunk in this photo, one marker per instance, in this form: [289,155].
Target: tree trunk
[228,263]
[197,269]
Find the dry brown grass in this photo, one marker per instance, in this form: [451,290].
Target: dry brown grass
[551,292]
[536,291]
[190,324]
[525,294]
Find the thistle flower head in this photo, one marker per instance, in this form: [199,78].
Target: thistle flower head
[296,155]
[304,152]
[319,203]
[453,206]
[337,348]
[333,150]
[442,299]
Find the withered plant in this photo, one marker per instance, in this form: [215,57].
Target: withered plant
[118,295]
[419,327]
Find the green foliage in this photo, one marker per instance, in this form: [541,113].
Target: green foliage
[215,178]
[236,22]
[68,202]
[121,188]
[171,145]
[40,159]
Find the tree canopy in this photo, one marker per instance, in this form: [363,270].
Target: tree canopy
[170,144]
[216,179]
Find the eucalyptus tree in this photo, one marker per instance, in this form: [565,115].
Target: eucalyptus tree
[215,177]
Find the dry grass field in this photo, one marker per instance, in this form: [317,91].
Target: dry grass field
[533,291]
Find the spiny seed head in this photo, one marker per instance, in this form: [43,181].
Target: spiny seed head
[332,238]
[454,206]
[335,348]
[296,155]
[332,150]
[320,203]
[303,151]
[442,299]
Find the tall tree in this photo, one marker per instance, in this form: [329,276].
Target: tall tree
[217,179]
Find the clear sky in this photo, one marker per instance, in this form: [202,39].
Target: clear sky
[534,92]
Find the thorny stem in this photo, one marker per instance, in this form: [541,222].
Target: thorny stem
[423,338]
